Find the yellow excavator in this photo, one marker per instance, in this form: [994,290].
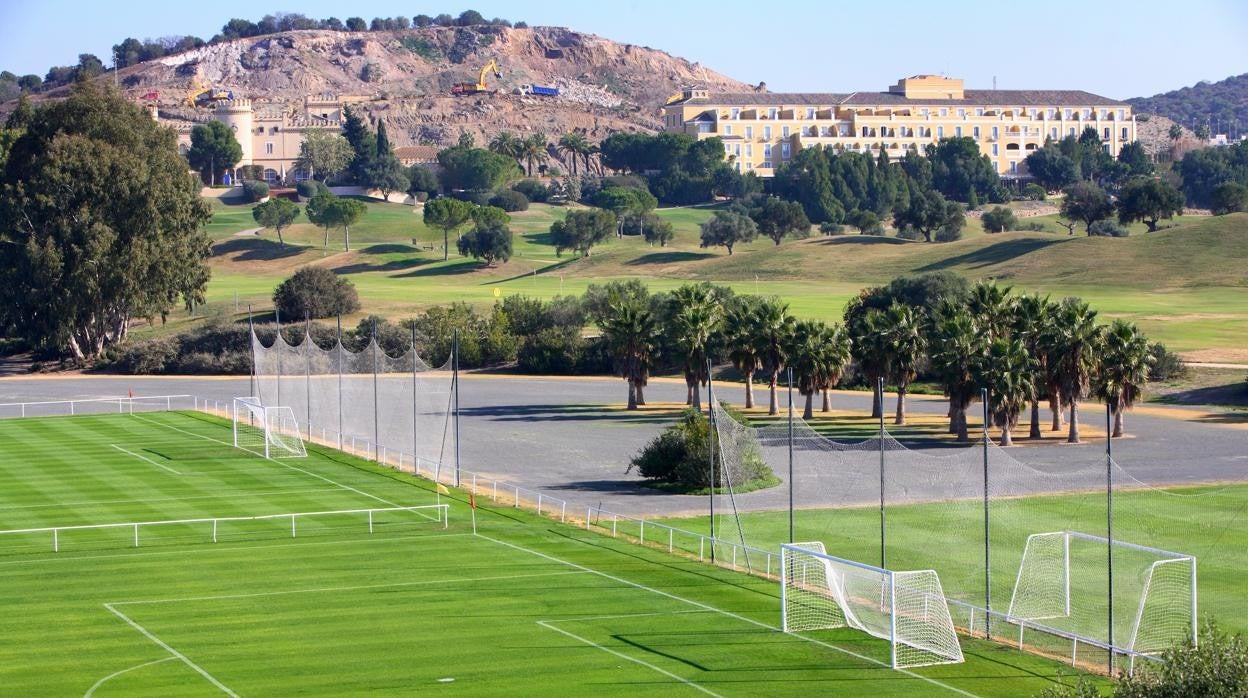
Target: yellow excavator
[202,93]
[467,88]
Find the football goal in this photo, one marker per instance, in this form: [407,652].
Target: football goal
[908,609]
[1062,580]
[271,432]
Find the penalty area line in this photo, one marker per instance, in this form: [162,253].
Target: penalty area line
[95,686]
[144,458]
[185,660]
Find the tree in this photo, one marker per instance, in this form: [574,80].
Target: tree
[573,146]
[489,242]
[631,332]
[315,292]
[421,179]
[506,143]
[1229,197]
[956,346]
[999,220]
[905,345]
[656,229]
[475,169]
[866,328]
[1202,131]
[624,202]
[581,230]
[741,324]
[1076,345]
[1031,318]
[1175,132]
[448,214]
[387,175]
[1008,372]
[774,329]
[818,356]
[1087,203]
[214,149]
[346,213]
[727,229]
[960,169]
[694,317]
[356,24]
[363,144]
[323,154]
[1136,160]
[928,212]
[778,219]
[1149,200]
[1052,168]
[322,211]
[102,224]
[1123,370]
[534,150]
[276,214]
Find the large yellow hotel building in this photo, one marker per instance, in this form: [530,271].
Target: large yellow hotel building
[763,130]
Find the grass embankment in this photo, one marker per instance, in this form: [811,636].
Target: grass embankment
[323,613]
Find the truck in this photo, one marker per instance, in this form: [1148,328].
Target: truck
[539,90]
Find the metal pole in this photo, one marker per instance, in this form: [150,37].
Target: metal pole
[376,421]
[307,373]
[983,396]
[277,317]
[341,351]
[790,454]
[251,328]
[1109,527]
[879,386]
[710,437]
[414,411]
[455,384]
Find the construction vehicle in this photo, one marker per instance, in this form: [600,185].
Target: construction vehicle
[201,93]
[539,90]
[467,88]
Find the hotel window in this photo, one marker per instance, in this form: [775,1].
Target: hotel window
[1050,113]
[1086,113]
[1122,114]
[767,133]
[727,129]
[784,131]
[749,150]
[736,150]
[771,113]
[784,151]
[961,113]
[979,111]
[810,113]
[957,131]
[1106,133]
[1124,133]
[1053,133]
[995,133]
[975,133]
[944,111]
[940,131]
[1066,114]
[994,149]
[922,112]
[727,149]
[1104,114]
[1013,167]
[767,152]
[749,132]
[268,148]
[736,113]
[767,164]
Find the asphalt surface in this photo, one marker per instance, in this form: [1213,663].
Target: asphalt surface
[568,437]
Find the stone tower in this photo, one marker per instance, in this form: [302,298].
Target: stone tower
[238,115]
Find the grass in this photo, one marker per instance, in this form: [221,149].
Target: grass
[526,607]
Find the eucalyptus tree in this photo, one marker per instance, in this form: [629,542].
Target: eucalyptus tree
[1124,365]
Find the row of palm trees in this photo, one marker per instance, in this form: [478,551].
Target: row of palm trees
[532,152]
[1021,348]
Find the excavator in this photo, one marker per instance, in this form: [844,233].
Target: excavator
[467,88]
[201,93]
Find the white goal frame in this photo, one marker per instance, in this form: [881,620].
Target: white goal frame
[1038,576]
[277,427]
[906,608]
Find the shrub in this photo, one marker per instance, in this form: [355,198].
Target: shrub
[552,351]
[315,292]
[153,356]
[309,188]
[947,235]
[679,456]
[1107,228]
[255,189]
[831,228]
[1034,226]
[908,233]
[999,220]
[534,190]
[1034,192]
[866,222]
[1216,665]
[625,182]
[510,200]
[1166,364]
[1229,197]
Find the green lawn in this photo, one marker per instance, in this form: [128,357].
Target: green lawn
[528,606]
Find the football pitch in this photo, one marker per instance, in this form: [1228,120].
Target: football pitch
[393,597]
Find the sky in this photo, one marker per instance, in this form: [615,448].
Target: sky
[1115,48]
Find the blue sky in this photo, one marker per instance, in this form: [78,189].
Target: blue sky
[1119,49]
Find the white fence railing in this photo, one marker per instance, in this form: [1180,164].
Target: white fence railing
[103,405]
[441,511]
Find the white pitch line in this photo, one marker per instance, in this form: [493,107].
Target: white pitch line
[91,691]
[634,660]
[729,614]
[145,458]
[185,660]
[306,472]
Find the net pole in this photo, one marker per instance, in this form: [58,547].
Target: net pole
[455,384]
[710,436]
[1109,528]
[414,410]
[376,421]
[277,317]
[983,396]
[340,352]
[251,327]
[879,386]
[790,454]
[307,372]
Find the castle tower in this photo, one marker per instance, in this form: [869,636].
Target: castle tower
[238,115]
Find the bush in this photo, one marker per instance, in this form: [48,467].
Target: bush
[625,182]
[831,228]
[908,233]
[309,188]
[1229,197]
[1107,228]
[552,351]
[947,235]
[999,220]
[532,189]
[1034,226]
[1034,192]
[679,456]
[153,356]
[510,201]
[1216,665]
[315,292]
[255,189]
[1166,364]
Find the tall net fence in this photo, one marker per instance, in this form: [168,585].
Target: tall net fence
[363,400]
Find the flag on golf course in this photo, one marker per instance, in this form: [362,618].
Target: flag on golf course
[442,489]
[472,501]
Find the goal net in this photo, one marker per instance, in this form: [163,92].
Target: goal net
[908,609]
[271,432]
[1062,581]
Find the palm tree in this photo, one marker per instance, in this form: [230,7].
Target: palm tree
[508,144]
[775,327]
[866,330]
[1050,344]
[956,347]
[1078,342]
[1031,317]
[1008,372]
[742,325]
[632,334]
[1125,361]
[992,308]
[572,146]
[695,317]
[905,344]
[534,149]
[835,348]
[805,360]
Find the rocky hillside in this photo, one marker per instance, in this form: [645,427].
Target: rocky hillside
[406,77]
[1215,104]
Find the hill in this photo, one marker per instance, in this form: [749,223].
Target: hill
[1216,104]
[406,76]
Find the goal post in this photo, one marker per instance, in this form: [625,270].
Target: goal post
[271,432]
[1061,579]
[906,608]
